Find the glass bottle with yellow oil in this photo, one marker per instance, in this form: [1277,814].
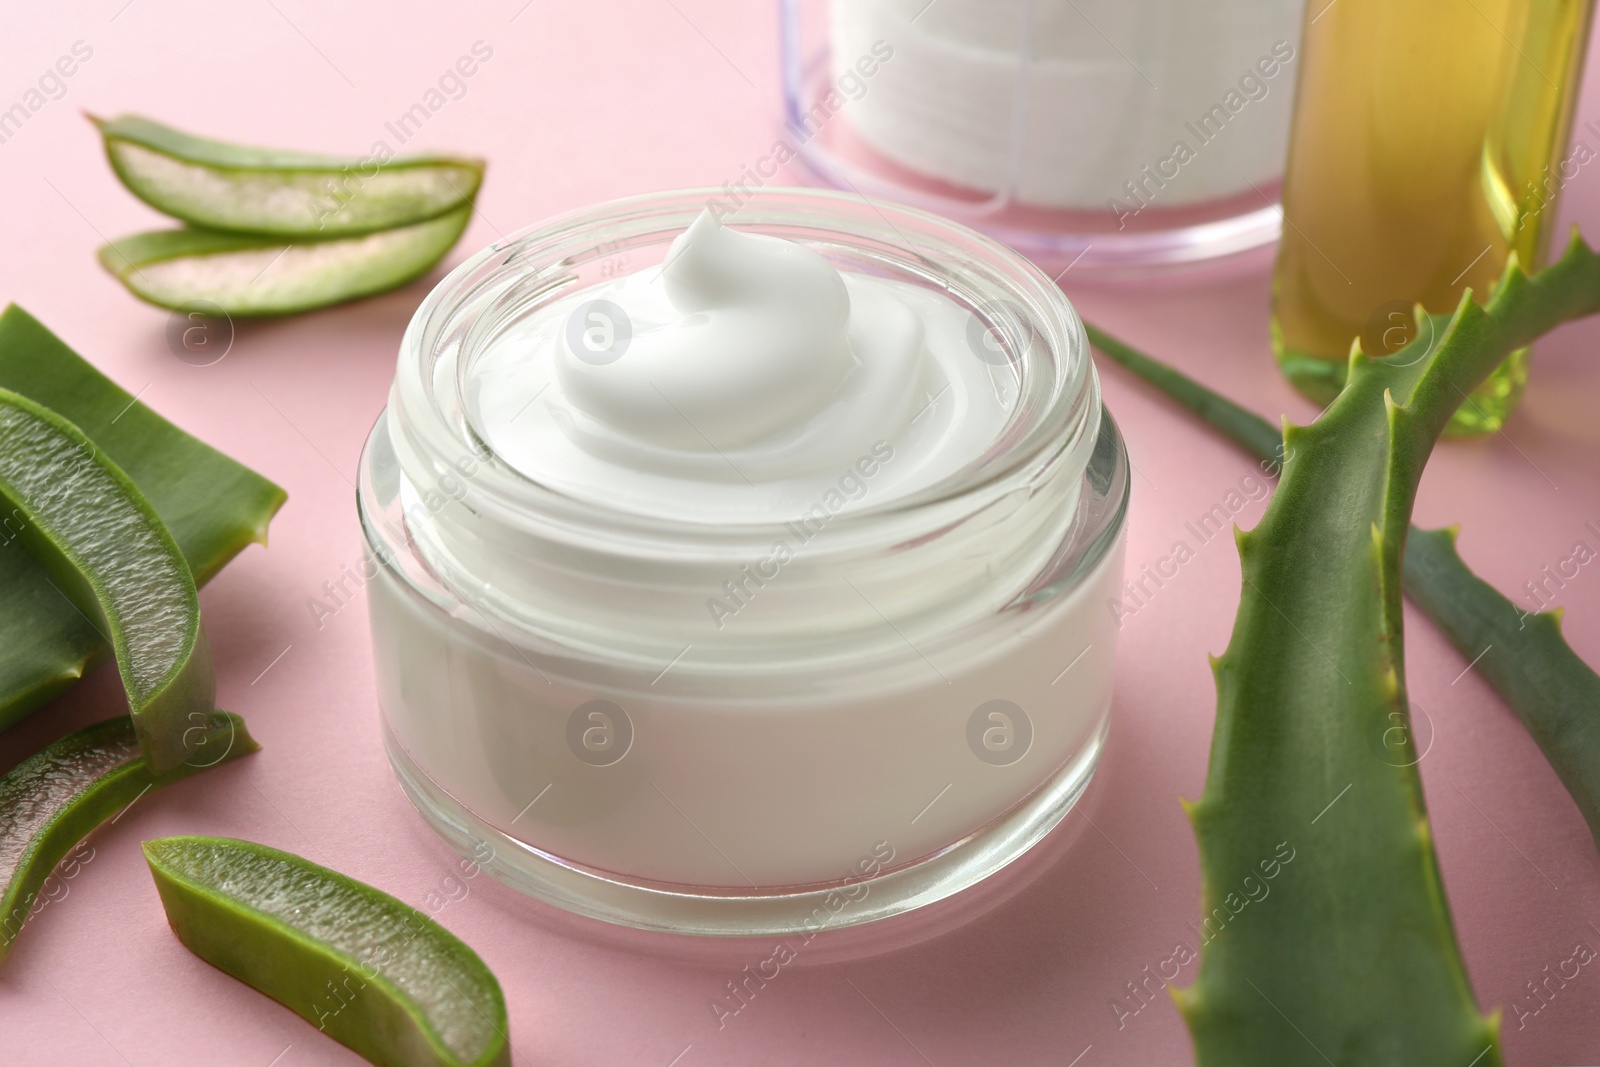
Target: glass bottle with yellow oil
[1429,143]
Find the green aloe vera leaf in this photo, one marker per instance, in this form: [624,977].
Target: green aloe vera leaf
[1553,691]
[1522,655]
[369,971]
[1243,427]
[212,505]
[1318,379]
[105,547]
[1352,958]
[223,186]
[249,274]
[51,801]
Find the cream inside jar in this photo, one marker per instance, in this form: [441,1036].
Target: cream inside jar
[724,562]
[736,382]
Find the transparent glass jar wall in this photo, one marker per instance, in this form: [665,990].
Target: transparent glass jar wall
[1108,134]
[556,697]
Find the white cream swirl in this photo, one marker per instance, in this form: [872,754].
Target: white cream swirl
[738,382]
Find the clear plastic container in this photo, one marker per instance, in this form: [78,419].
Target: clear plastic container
[884,732]
[1108,135]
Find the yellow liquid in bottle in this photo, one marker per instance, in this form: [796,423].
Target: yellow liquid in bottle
[1429,142]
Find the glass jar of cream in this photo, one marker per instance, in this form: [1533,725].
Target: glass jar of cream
[744,575]
[1106,135]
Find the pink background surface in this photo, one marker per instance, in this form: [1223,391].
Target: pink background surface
[580,103]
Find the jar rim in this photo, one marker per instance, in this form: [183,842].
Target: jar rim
[1051,429]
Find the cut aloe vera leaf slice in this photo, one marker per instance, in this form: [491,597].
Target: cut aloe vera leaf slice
[212,506]
[223,186]
[111,555]
[50,801]
[371,972]
[252,275]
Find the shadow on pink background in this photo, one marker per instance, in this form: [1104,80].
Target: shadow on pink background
[580,103]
